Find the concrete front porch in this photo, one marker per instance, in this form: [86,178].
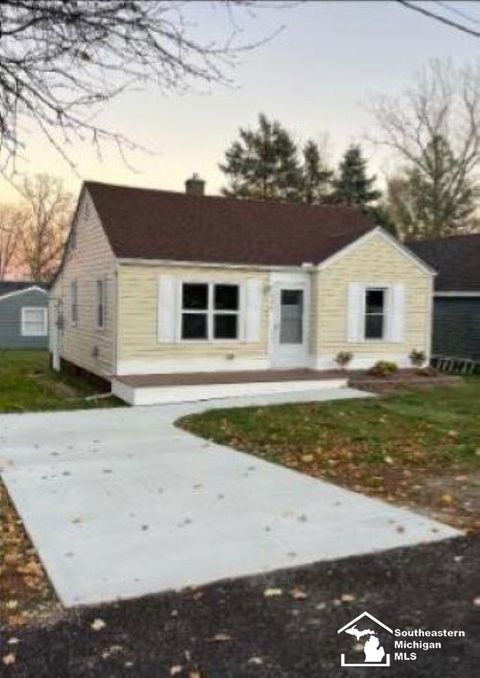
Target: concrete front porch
[155,389]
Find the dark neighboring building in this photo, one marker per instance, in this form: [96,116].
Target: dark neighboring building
[456,318]
[23,315]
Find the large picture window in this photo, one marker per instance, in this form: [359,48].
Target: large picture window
[375,312]
[210,311]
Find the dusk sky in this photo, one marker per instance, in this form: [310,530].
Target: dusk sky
[314,77]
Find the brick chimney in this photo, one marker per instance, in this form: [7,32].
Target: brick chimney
[195,185]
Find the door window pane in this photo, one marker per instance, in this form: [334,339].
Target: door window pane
[291,317]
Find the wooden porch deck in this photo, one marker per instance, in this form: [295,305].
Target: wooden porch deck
[233,377]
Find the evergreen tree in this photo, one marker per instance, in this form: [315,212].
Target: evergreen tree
[353,186]
[434,202]
[316,178]
[263,164]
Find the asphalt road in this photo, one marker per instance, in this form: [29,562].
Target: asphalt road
[234,630]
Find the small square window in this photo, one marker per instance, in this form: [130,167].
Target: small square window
[34,321]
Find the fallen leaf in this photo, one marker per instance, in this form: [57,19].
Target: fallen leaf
[9,659]
[221,637]
[194,674]
[347,598]
[298,594]
[271,593]
[11,604]
[447,498]
[255,660]
[175,670]
[97,625]
[476,601]
[308,458]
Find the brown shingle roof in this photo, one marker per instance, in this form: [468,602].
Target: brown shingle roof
[149,224]
[457,260]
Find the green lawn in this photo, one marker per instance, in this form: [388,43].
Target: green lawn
[27,384]
[416,447]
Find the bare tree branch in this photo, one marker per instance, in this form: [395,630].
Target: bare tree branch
[12,220]
[59,59]
[442,101]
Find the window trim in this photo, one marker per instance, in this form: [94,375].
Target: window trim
[100,302]
[385,313]
[24,311]
[73,306]
[210,312]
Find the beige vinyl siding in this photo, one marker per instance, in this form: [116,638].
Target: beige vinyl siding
[373,261]
[91,260]
[138,308]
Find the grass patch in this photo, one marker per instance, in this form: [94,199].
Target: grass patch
[393,447]
[27,384]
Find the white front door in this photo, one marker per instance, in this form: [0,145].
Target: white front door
[291,311]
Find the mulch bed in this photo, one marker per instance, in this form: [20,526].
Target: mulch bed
[283,624]
[403,379]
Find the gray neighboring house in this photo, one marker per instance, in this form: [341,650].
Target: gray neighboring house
[456,317]
[23,315]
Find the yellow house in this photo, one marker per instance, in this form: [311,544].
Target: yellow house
[173,296]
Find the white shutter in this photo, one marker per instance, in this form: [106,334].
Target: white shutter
[396,313]
[167,306]
[253,309]
[355,312]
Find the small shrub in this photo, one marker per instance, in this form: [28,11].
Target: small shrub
[383,368]
[343,358]
[417,358]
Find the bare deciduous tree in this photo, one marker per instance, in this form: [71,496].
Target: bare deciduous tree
[443,103]
[12,220]
[60,59]
[48,211]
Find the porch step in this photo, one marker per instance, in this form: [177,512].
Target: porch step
[162,394]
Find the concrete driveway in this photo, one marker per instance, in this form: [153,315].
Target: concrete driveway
[120,503]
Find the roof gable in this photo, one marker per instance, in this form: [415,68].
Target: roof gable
[149,224]
[11,289]
[379,232]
